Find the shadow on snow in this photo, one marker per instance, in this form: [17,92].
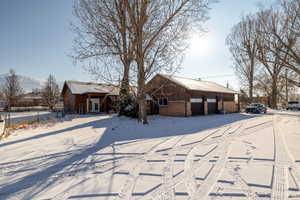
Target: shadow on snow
[118,131]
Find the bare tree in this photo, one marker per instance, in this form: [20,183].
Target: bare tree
[159,32]
[51,92]
[243,47]
[290,40]
[12,89]
[263,85]
[103,40]
[268,47]
[280,27]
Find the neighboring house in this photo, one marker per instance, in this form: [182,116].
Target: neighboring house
[25,102]
[84,97]
[30,99]
[3,104]
[176,96]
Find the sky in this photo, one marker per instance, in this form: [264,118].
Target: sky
[35,40]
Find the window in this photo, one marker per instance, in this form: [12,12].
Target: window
[196,100]
[293,102]
[163,101]
[211,100]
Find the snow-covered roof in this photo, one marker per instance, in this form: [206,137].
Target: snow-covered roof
[77,87]
[199,85]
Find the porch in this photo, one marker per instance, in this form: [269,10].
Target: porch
[95,103]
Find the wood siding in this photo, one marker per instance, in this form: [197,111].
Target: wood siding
[161,87]
[69,100]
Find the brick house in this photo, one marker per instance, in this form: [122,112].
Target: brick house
[86,97]
[177,96]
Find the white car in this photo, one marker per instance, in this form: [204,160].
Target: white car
[293,105]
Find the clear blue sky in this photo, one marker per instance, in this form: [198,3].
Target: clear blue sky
[35,39]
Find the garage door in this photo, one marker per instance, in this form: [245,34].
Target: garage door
[212,106]
[197,106]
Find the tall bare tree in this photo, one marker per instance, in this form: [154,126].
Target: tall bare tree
[159,32]
[103,40]
[50,92]
[282,29]
[12,89]
[268,47]
[243,47]
[290,38]
[277,40]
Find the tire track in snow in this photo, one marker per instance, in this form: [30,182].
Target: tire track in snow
[128,187]
[190,167]
[280,176]
[181,178]
[250,194]
[211,180]
[290,160]
[166,191]
[188,177]
[222,152]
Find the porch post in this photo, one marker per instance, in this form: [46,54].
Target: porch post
[88,102]
[205,106]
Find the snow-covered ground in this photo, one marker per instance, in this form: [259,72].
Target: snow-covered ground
[105,157]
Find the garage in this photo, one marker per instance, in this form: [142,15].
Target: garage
[197,106]
[191,97]
[212,106]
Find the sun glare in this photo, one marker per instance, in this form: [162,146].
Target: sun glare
[201,44]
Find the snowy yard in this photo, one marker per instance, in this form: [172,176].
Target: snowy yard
[17,117]
[104,157]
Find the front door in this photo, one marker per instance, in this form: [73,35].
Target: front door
[93,105]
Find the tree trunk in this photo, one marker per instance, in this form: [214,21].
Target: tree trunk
[286,88]
[251,78]
[141,92]
[274,93]
[140,56]
[125,80]
[250,92]
[124,90]
[125,97]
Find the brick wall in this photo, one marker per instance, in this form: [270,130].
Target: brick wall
[220,105]
[175,109]
[230,106]
[205,108]
[188,109]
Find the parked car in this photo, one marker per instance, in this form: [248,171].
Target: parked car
[256,108]
[293,105]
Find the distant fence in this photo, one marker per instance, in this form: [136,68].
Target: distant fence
[3,125]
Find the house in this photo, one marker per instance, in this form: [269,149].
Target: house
[85,97]
[3,104]
[177,96]
[30,99]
